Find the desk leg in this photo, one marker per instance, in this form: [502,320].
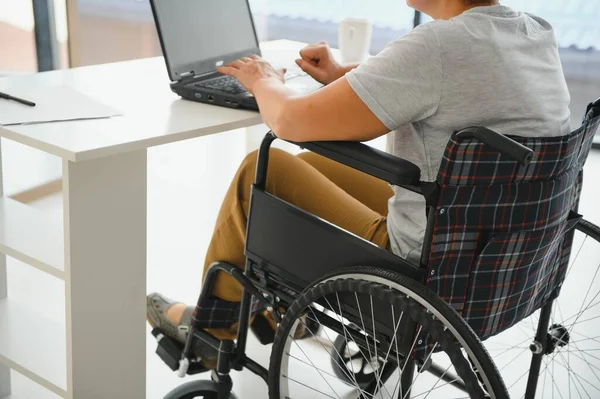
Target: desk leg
[4,370]
[105,266]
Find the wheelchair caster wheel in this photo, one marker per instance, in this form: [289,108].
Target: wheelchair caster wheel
[350,365]
[197,390]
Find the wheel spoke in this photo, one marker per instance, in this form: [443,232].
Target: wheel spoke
[371,341]
[588,364]
[345,371]
[321,370]
[399,383]
[511,348]
[545,375]
[315,367]
[578,377]
[418,374]
[363,325]
[513,359]
[441,378]
[394,341]
[346,339]
[397,351]
[377,376]
[309,387]
[347,333]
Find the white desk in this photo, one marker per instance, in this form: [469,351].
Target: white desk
[100,250]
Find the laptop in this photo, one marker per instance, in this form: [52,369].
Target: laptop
[197,36]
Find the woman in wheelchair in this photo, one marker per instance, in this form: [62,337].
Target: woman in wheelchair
[478,63]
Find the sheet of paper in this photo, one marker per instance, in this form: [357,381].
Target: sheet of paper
[53,104]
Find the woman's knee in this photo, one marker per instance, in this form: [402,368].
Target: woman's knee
[277,159]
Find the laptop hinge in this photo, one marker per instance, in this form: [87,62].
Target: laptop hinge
[187,76]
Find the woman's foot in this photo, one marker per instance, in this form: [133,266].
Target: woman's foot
[174,319]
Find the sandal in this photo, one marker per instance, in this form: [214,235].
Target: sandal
[157,306]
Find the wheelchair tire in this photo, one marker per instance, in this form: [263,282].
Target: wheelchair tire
[203,389]
[415,303]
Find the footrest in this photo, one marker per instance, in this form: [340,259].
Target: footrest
[168,349]
[263,330]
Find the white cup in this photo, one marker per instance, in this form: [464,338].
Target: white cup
[355,39]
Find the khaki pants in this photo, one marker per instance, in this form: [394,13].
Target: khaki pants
[337,193]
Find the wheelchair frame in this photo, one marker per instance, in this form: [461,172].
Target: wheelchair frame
[269,235]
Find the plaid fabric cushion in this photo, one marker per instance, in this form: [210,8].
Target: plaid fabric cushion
[503,232]
[217,313]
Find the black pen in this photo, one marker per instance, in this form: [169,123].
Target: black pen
[17,99]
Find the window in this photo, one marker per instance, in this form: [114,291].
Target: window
[17,36]
[114,30]
[575,22]
[17,39]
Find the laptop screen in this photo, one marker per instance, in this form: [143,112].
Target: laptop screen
[197,35]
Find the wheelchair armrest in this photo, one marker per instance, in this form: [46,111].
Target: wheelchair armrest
[499,142]
[394,170]
[593,110]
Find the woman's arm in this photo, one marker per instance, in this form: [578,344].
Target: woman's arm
[318,61]
[334,112]
[402,84]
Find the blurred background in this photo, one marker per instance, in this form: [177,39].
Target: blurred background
[53,34]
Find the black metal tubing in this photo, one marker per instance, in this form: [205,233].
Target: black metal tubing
[447,377]
[256,368]
[236,273]
[428,237]
[595,106]
[501,143]
[377,383]
[246,362]
[536,359]
[46,44]
[417,19]
[263,161]
[406,380]
[244,323]
[374,162]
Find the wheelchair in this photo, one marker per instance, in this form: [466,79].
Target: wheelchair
[503,239]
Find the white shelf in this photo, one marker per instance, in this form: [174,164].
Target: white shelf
[29,235]
[23,388]
[33,345]
[25,168]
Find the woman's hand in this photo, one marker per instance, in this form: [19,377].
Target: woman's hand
[317,60]
[251,70]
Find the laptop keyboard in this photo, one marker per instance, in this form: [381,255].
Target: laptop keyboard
[226,84]
[231,85]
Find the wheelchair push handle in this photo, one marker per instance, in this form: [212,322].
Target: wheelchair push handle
[503,144]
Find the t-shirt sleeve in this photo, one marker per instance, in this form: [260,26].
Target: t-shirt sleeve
[403,83]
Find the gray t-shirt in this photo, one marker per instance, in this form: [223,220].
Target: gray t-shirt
[489,66]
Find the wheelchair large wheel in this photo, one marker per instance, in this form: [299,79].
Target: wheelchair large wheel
[351,365]
[570,365]
[385,316]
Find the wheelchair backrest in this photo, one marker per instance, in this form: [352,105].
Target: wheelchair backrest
[502,231]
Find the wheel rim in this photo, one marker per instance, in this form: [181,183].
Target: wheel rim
[571,369]
[322,381]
